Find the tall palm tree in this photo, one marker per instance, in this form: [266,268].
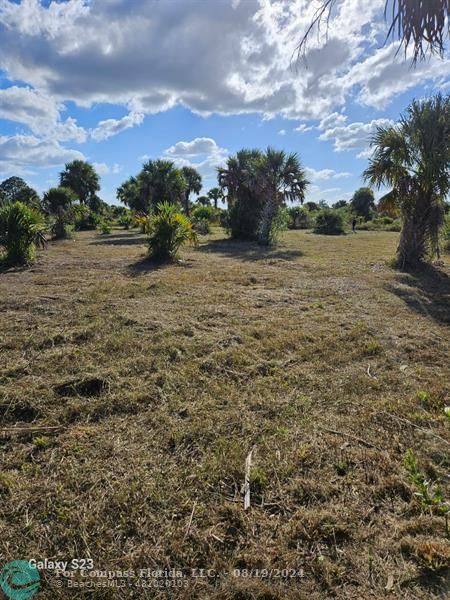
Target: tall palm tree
[413,158]
[160,181]
[215,194]
[278,177]
[193,185]
[422,24]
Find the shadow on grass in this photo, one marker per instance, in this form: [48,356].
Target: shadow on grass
[148,265]
[426,291]
[248,251]
[121,239]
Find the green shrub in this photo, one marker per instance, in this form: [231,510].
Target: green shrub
[329,222]
[106,227]
[167,231]
[21,230]
[126,220]
[201,226]
[203,213]
[299,218]
[85,219]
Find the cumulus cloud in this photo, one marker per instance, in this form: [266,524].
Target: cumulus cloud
[19,152]
[110,127]
[324,174]
[40,113]
[104,169]
[165,53]
[349,136]
[203,154]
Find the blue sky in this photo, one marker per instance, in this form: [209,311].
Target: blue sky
[195,81]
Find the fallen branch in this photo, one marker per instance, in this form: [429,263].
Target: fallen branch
[188,528]
[248,466]
[33,429]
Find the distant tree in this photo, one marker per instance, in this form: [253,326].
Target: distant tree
[193,185]
[312,206]
[130,194]
[215,194]
[363,203]
[96,204]
[204,200]
[161,182]
[15,189]
[413,158]
[81,177]
[58,203]
[340,204]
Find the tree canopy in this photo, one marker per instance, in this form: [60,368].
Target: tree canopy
[413,159]
[81,177]
[193,181]
[15,189]
[363,202]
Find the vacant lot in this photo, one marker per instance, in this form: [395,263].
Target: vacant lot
[158,383]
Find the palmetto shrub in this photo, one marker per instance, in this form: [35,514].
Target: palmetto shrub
[329,222]
[167,231]
[21,230]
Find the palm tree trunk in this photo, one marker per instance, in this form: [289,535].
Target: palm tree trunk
[412,246]
[267,216]
[186,202]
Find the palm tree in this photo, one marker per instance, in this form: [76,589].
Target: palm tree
[257,185]
[278,177]
[422,24]
[81,177]
[193,185]
[215,194]
[413,158]
[160,181]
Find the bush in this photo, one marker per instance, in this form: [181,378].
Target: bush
[21,229]
[127,220]
[85,218]
[203,213]
[106,227]
[201,226]
[167,231]
[299,218]
[329,222]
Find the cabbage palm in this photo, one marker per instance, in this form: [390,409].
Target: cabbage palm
[278,177]
[413,159]
[193,185]
[21,230]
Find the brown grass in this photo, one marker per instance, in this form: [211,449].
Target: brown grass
[159,381]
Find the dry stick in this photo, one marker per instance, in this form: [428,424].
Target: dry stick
[406,422]
[32,429]
[188,528]
[351,437]
[248,466]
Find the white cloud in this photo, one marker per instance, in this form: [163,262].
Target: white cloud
[351,136]
[104,169]
[19,152]
[303,128]
[203,154]
[109,127]
[165,53]
[324,174]
[282,132]
[40,113]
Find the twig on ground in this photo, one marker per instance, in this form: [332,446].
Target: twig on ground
[351,437]
[406,422]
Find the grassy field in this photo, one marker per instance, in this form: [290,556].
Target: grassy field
[131,396]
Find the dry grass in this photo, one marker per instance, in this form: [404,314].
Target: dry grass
[160,381]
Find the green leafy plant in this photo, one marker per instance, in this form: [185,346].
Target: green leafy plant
[21,230]
[167,231]
[429,492]
[329,222]
[105,227]
[85,219]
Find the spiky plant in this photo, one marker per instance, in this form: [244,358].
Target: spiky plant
[413,158]
[167,231]
[21,230]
